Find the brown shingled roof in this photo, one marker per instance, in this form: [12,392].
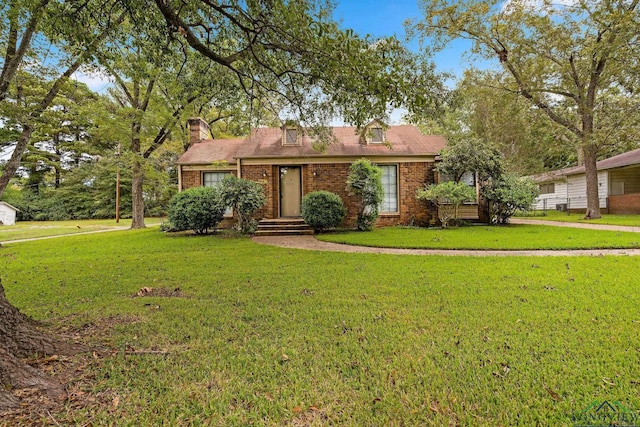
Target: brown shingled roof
[211,150]
[403,140]
[621,160]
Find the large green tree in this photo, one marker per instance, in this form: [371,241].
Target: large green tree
[50,40]
[528,142]
[157,84]
[292,57]
[572,61]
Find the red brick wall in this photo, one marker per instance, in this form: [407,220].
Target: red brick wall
[625,204]
[191,179]
[255,173]
[413,176]
[333,177]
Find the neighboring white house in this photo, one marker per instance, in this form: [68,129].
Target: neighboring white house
[7,214]
[618,186]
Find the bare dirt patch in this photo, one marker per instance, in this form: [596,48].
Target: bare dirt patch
[159,292]
[75,373]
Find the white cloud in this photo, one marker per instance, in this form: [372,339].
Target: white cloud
[96,81]
[542,6]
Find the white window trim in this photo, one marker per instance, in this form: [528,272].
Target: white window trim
[228,213]
[397,211]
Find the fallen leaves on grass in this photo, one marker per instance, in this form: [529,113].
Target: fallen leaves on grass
[552,393]
[312,415]
[608,381]
[146,291]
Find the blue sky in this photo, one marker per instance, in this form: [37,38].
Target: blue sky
[387,17]
[376,17]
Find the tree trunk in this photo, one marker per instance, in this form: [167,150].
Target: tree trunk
[20,338]
[137,201]
[16,157]
[137,208]
[591,175]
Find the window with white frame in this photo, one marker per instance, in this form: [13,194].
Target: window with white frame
[390,186]
[548,188]
[214,179]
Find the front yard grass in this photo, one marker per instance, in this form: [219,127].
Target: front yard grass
[511,237]
[273,336]
[34,229]
[609,219]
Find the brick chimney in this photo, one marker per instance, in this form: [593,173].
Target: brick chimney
[198,130]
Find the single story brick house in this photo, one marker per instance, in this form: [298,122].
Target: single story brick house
[286,163]
[618,186]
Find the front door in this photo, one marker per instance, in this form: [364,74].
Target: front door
[290,191]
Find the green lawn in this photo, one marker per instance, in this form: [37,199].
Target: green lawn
[33,229]
[274,336]
[510,237]
[632,220]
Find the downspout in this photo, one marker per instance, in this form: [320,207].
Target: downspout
[179,178]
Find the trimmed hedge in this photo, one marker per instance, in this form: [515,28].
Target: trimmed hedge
[322,210]
[199,209]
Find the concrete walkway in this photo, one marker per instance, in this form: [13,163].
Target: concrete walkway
[576,225]
[310,243]
[105,230]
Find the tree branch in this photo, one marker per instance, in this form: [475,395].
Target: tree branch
[13,58]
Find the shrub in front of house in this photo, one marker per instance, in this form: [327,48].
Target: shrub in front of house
[447,196]
[200,209]
[509,194]
[322,210]
[365,183]
[246,197]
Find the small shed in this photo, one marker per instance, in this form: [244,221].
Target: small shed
[7,214]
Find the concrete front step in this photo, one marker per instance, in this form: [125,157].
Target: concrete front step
[281,221]
[283,227]
[284,233]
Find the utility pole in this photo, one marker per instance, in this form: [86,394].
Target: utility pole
[118,184]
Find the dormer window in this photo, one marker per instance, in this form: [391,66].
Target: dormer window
[377,136]
[291,136]
[373,133]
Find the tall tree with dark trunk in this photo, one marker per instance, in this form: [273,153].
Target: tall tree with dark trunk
[564,58]
[71,29]
[154,90]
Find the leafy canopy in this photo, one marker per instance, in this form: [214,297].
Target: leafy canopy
[575,62]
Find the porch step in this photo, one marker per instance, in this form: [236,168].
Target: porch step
[283,227]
